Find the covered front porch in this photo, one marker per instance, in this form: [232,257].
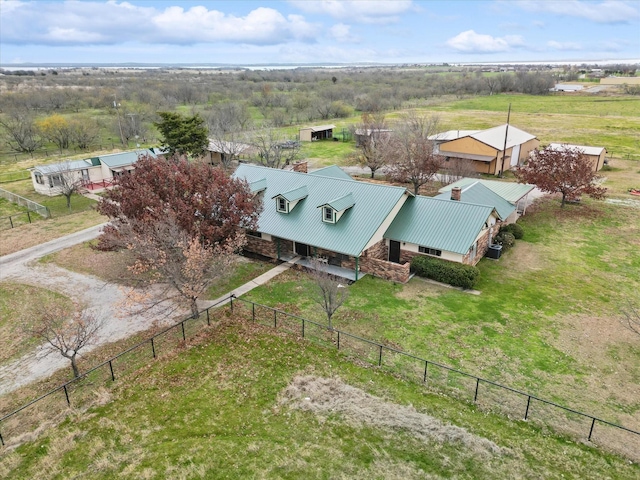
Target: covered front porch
[340,272]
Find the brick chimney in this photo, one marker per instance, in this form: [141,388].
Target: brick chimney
[300,167]
[456,192]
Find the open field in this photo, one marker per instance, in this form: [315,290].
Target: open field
[217,409]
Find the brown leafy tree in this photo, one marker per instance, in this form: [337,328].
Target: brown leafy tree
[182,221]
[67,333]
[413,158]
[567,171]
[329,293]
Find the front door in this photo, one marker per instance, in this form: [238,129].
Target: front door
[394,251]
[302,249]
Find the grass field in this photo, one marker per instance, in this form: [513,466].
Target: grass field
[217,410]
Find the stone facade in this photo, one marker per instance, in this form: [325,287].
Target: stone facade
[483,246]
[261,247]
[379,251]
[388,270]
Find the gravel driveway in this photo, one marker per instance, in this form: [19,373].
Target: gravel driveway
[100,297]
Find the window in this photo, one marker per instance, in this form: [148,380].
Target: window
[253,233]
[282,205]
[39,179]
[55,180]
[327,215]
[430,251]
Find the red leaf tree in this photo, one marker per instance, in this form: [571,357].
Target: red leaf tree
[567,171]
[182,221]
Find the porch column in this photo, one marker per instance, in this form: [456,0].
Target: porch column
[357,258]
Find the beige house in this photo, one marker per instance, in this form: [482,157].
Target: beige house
[595,154]
[222,152]
[493,151]
[319,132]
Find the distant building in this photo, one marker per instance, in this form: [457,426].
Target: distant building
[319,132]
[595,154]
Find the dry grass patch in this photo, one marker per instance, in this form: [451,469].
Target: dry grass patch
[33,234]
[329,396]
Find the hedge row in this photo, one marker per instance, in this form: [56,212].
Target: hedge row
[456,274]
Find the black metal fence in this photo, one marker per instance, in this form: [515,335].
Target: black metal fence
[15,220]
[488,395]
[82,391]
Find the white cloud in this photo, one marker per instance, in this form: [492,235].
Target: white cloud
[472,42]
[609,11]
[564,45]
[342,33]
[115,22]
[357,11]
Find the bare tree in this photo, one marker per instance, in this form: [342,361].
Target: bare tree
[67,333]
[230,147]
[273,150]
[372,142]
[631,320]
[413,157]
[456,169]
[329,293]
[66,179]
[172,268]
[21,132]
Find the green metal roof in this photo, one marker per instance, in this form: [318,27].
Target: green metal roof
[341,203]
[441,224]
[332,171]
[258,185]
[295,194]
[478,194]
[124,159]
[372,205]
[510,191]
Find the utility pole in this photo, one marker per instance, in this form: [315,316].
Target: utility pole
[504,149]
[116,105]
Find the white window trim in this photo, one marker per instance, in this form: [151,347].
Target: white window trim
[326,210]
[286,205]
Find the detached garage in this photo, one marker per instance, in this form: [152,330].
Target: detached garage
[595,154]
[320,132]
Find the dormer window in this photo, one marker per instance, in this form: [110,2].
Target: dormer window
[286,202]
[328,215]
[333,210]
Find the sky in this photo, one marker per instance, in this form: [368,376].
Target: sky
[322,31]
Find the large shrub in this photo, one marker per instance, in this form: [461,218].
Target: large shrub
[506,239]
[515,229]
[455,274]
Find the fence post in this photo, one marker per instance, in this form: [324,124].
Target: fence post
[1,440]
[253,312]
[593,424]
[29,216]
[426,364]
[303,328]
[475,397]
[208,320]
[184,338]
[526,412]
[153,346]
[380,357]
[113,378]
[338,339]
[275,318]
[231,300]
[10,221]
[66,394]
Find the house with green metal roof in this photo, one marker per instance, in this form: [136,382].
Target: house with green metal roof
[365,227]
[339,220]
[478,194]
[92,173]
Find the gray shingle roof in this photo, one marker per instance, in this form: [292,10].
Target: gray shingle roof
[440,224]
[358,225]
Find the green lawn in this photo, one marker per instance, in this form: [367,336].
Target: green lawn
[57,204]
[245,270]
[214,411]
[546,321]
